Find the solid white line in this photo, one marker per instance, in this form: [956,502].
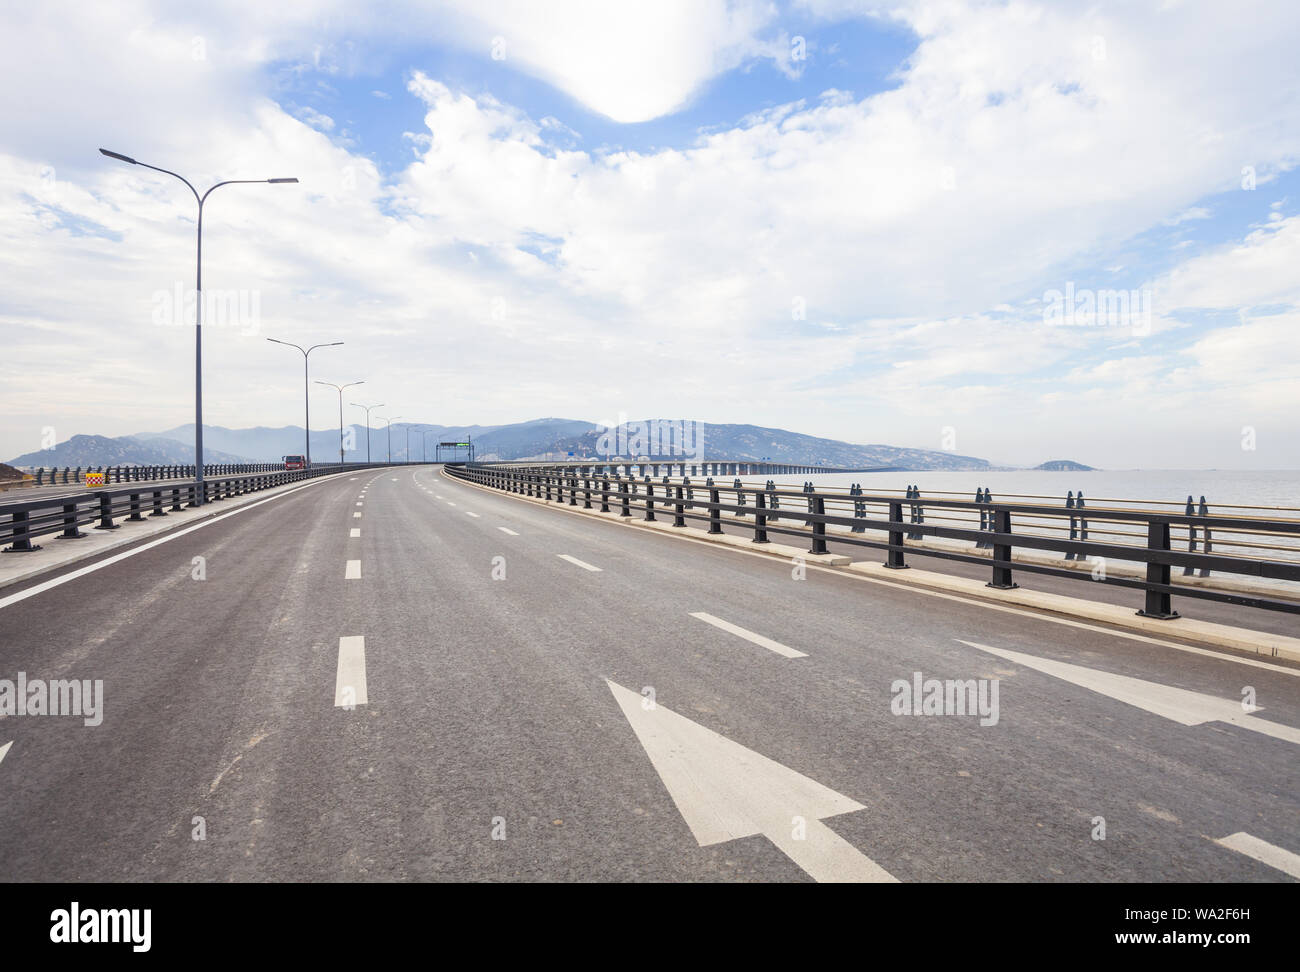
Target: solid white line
[1264,852]
[90,569]
[574,560]
[353,571]
[508,530]
[757,639]
[468,513]
[351,674]
[354,532]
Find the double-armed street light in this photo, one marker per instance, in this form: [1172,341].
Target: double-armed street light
[390,433]
[198,304]
[340,390]
[306,406]
[368,408]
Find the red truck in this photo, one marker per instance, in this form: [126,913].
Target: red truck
[295,462]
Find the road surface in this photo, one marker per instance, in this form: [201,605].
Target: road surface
[359,689]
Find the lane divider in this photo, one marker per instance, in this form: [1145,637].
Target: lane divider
[1275,857]
[353,571]
[757,639]
[580,563]
[350,677]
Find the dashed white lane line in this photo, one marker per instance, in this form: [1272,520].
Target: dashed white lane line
[4,749]
[450,503]
[359,503]
[438,495]
[508,530]
[356,516]
[354,570]
[757,639]
[350,679]
[468,513]
[354,532]
[581,563]
[1264,852]
[352,479]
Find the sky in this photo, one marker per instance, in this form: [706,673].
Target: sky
[1015,230]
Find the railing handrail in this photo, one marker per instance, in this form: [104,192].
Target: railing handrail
[815,510]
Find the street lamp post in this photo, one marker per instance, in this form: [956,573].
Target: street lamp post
[340,390]
[198,305]
[306,407]
[390,433]
[368,408]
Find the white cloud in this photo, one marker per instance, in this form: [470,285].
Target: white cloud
[663,281]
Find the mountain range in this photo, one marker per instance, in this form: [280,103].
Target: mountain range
[555,437]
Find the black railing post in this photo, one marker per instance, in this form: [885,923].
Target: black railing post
[818,504]
[135,507]
[1002,551]
[895,559]
[70,530]
[679,518]
[740,497]
[622,488]
[1074,521]
[573,490]
[715,511]
[760,520]
[586,492]
[859,509]
[649,501]
[21,536]
[1208,546]
[1157,602]
[604,493]
[105,513]
[158,504]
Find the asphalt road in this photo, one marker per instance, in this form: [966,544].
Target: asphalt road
[520,707]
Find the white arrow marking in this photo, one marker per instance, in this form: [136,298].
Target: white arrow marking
[4,749]
[725,791]
[1181,705]
[1261,850]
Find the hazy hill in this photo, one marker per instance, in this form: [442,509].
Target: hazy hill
[1064,465]
[513,441]
[100,450]
[779,445]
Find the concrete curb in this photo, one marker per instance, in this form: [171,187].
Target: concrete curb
[1258,643]
[56,554]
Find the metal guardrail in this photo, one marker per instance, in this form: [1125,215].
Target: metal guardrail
[68,476]
[1143,536]
[63,516]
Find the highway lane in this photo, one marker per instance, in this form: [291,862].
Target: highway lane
[868,635]
[488,710]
